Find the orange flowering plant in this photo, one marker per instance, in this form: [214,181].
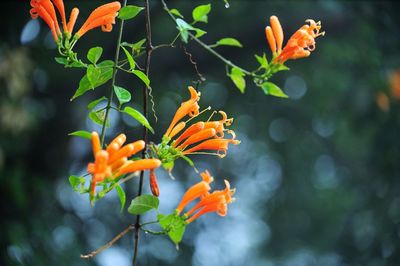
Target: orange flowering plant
[191,131]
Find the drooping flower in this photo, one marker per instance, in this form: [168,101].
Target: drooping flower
[299,45]
[216,201]
[113,162]
[45,10]
[198,190]
[103,16]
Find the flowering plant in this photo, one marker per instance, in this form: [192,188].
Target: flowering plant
[114,164]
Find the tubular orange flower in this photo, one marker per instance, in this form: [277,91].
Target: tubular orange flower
[190,107]
[139,165]
[72,20]
[113,162]
[196,191]
[193,129]
[299,45]
[271,39]
[153,183]
[219,126]
[103,16]
[60,7]
[45,10]
[278,32]
[200,136]
[217,144]
[216,201]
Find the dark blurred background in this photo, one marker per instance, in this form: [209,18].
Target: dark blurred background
[317,175]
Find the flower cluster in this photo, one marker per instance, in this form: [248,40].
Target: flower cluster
[217,201]
[299,45]
[196,138]
[113,162]
[103,16]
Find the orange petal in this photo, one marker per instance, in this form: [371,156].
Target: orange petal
[178,128]
[278,32]
[72,20]
[96,146]
[153,183]
[193,129]
[200,136]
[139,165]
[190,107]
[60,7]
[193,193]
[270,38]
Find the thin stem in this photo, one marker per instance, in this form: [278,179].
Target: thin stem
[115,70]
[149,49]
[153,232]
[171,44]
[146,223]
[208,47]
[109,244]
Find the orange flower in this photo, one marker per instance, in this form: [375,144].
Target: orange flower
[196,191]
[216,201]
[219,145]
[153,183]
[113,162]
[103,16]
[72,20]
[60,7]
[394,80]
[190,107]
[45,10]
[200,136]
[300,44]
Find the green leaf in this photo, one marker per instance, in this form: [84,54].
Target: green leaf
[228,42]
[84,86]
[131,61]
[199,32]
[176,12]
[129,12]
[136,47]
[184,27]
[94,103]
[107,68]
[61,60]
[123,95]
[98,118]
[200,13]
[237,77]
[82,134]
[282,67]
[94,54]
[270,88]
[77,183]
[138,117]
[74,181]
[106,71]
[121,195]
[262,61]
[143,77]
[93,74]
[174,225]
[143,203]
